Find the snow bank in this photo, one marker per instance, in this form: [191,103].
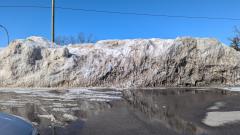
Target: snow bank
[32,62]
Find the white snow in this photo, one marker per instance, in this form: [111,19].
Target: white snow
[93,95]
[86,64]
[39,41]
[50,117]
[232,88]
[216,119]
[217,106]
[69,117]
[70,94]
[21,90]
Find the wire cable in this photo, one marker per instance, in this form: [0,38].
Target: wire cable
[6,31]
[129,13]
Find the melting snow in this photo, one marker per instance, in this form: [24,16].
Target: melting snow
[216,119]
[70,94]
[232,88]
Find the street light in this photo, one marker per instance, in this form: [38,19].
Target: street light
[6,31]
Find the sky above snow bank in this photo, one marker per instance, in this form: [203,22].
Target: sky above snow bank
[24,22]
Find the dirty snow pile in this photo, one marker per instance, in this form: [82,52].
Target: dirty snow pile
[186,61]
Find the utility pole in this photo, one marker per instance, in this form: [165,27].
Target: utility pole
[53,22]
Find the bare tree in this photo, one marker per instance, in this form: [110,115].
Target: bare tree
[73,40]
[90,38]
[59,40]
[79,39]
[235,41]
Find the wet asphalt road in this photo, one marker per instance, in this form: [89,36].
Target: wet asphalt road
[106,112]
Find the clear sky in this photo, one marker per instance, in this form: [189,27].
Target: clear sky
[24,22]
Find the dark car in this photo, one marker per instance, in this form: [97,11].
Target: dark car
[14,125]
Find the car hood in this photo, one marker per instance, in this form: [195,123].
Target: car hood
[13,125]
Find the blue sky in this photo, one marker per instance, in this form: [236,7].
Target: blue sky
[24,22]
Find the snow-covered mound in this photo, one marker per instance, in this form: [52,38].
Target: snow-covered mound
[119,63]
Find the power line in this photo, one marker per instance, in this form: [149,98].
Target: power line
[129,13]
[6,31]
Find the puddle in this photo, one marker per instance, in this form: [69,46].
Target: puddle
[106,111]
[54,110]
[189,111]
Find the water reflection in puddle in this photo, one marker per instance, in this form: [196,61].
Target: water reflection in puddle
[56,110]
[107,112]
[186,111]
